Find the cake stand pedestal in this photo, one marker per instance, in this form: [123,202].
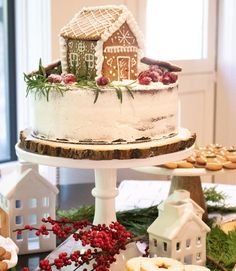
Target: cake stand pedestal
[105,189]
[186,178]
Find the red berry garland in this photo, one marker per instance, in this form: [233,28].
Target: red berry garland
[105,243]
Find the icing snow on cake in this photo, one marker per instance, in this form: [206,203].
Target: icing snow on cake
[102,95]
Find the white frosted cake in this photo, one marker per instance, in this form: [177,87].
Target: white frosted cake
[74,117]
[103,91]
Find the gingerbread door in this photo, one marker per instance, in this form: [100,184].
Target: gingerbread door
[123,64]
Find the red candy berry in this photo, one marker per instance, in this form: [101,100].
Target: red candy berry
[145,80]
[102,81]
[69,78]
[54,78]
[173,77]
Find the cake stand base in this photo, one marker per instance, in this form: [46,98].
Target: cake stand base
[193,185]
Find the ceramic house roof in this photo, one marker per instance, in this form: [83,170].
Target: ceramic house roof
[95,23]
[9,184]
[173,218]
[181,195]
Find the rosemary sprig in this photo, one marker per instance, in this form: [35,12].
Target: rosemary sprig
[38,85]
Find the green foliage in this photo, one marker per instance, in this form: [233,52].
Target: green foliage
[222,246]
[211,195]
[37,83]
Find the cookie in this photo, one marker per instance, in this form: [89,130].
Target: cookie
[3,266]
[229,165]
[184,164]
[171,165]
[2,251]
[7,256]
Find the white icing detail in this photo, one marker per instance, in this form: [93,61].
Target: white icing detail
[125,37]
[63,54]
[74,59]
[81,47]
[92,47]
[123,63]
[133,62]
[89,58]
[109,62]
[99,58]
[120,49]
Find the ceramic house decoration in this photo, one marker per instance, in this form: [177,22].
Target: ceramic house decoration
[30,197]
[100,41]
[179,231]
[4,217]
[181,194]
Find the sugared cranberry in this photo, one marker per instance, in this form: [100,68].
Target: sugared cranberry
[145,80]
[156,77]
[102,81]
[69,78]
[166,79]
[54,78]
[173,77]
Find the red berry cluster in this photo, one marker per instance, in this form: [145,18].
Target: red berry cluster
[157,74]
[67,78]
[105,243]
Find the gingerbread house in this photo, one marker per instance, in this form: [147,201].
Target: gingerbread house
[103,40]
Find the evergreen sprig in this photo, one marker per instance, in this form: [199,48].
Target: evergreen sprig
[37,83]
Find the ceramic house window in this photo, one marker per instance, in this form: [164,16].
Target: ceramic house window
[33,241]
[19,237]
[155,242]
[164,246]
[177,246]
[33,203]
[198,256]
[32,219]
[199,240]
[46,215]
[19,219]
[18,203]
[45,201]
[188,243]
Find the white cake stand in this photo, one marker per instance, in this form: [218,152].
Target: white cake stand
[105,189]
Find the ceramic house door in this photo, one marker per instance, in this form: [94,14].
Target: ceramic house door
[123,64]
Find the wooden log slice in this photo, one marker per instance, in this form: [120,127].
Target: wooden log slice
[107,152]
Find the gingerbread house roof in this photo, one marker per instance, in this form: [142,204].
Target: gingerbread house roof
[95,23]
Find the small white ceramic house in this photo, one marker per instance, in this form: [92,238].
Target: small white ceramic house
[179,231]
[30,197]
